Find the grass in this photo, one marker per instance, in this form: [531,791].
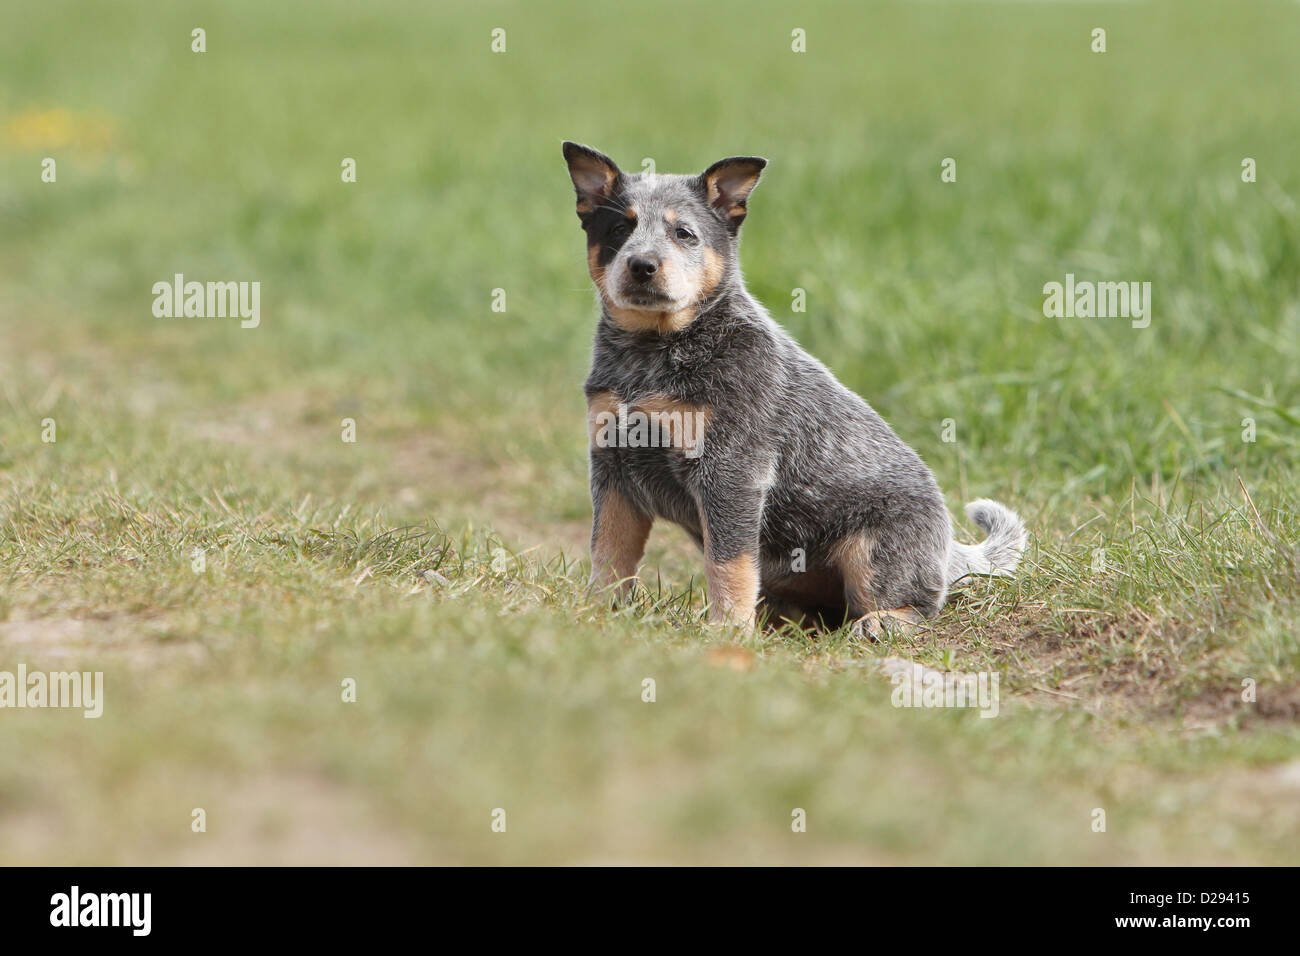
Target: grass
[1162,572]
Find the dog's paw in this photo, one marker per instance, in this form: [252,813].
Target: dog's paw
[725,618]
[896,622]
[615,593]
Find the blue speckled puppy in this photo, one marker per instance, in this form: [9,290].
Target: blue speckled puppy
[705,412]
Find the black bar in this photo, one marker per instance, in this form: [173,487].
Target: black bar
[300,905]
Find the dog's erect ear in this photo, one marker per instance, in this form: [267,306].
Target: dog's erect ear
[727,185]
[594,175]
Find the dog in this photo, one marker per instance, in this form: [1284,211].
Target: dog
[704,412]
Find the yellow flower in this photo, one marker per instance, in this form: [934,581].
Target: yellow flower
[59,129]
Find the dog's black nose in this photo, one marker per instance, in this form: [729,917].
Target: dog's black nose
[641,267]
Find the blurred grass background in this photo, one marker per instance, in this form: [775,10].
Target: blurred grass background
[376,304]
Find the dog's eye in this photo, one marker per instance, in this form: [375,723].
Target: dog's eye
[620,228]
[685,235]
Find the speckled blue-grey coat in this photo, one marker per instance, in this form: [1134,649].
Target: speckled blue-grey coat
[705,412]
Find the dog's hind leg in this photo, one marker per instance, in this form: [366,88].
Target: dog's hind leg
[887,585]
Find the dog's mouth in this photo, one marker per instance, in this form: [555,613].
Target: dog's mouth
[647,299]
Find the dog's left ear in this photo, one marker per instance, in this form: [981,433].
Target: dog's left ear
[727,185]
[593,173]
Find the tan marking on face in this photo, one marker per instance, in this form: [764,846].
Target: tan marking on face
[639,320]
[630,212]
[634,320]
[711,272]
[733,585]
[599,404]
[852,556]
[618,535]
[596,270]
[704,281]
[670,216]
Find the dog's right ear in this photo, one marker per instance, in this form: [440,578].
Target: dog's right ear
[727,185]
[594,175]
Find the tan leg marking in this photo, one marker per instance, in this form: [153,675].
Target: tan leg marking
[733,590]
[733,585]
[853,557]
[618,538]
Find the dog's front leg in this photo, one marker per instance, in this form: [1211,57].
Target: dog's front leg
[619,531]
[731,516]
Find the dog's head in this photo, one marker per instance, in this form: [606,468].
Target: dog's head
[659,247]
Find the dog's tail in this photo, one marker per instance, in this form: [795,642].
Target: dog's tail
[999,553]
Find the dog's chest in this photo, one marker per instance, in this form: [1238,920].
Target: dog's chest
[648,425]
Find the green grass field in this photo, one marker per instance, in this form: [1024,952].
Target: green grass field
[1162,572]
